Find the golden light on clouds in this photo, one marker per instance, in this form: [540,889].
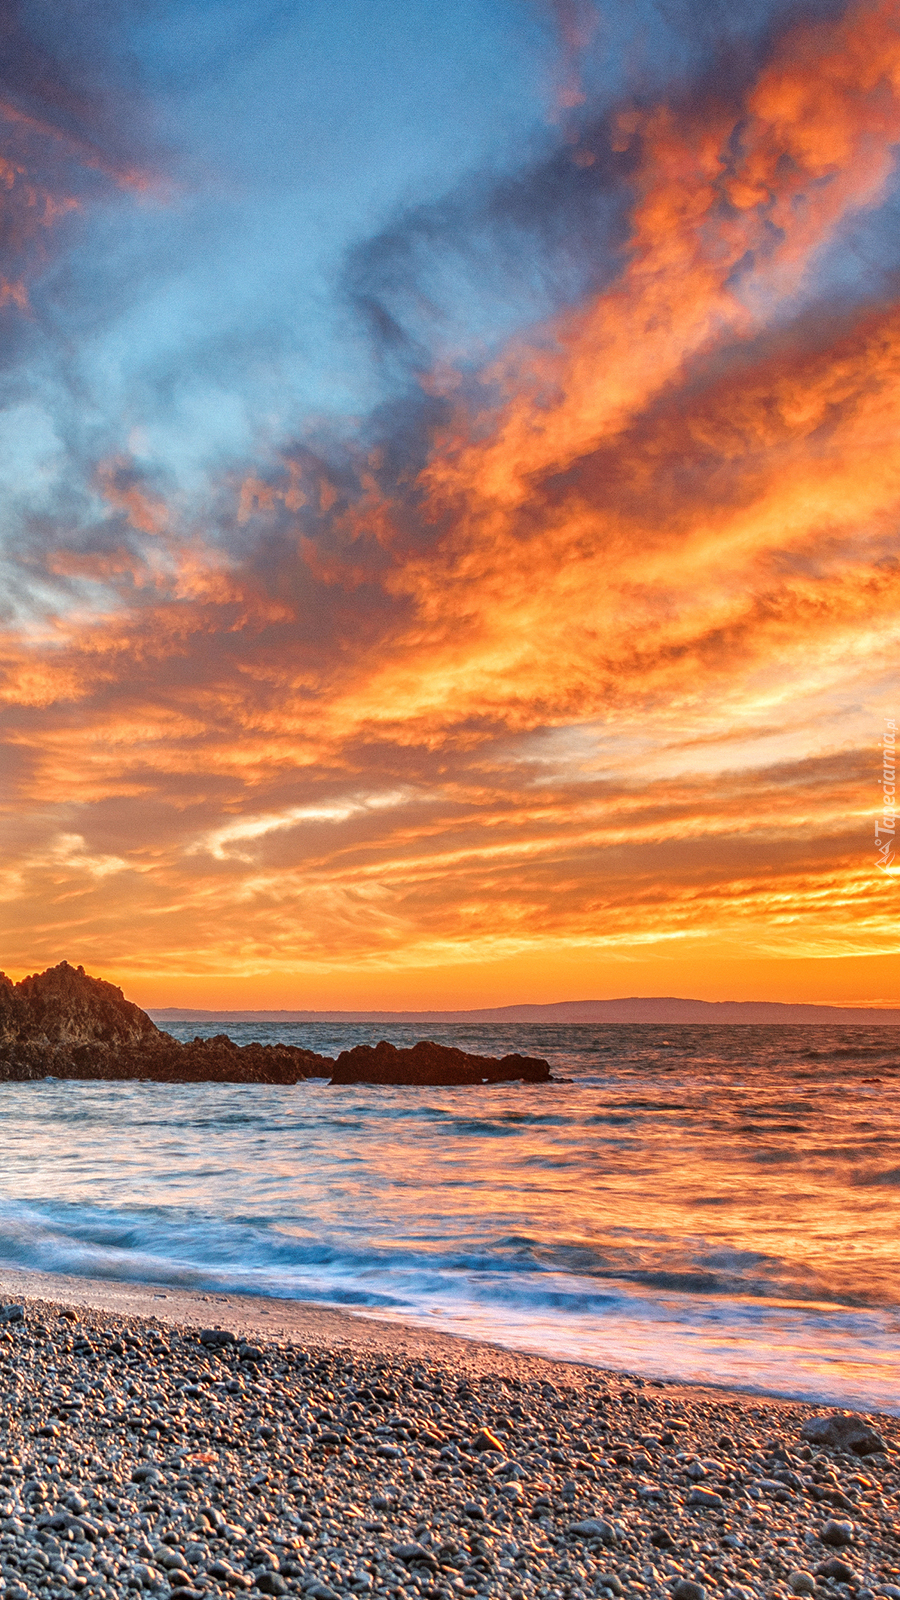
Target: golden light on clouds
[587,695]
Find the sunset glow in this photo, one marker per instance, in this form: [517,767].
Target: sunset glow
[505,609]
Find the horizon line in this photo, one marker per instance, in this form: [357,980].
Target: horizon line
[663,1009]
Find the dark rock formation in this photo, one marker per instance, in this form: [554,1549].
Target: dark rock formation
[429,1063]
[64,1024]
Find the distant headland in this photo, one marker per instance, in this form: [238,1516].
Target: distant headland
[637,1009]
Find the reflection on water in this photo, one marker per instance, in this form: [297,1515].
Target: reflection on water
[698,1202]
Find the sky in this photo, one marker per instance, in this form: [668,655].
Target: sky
[449,492]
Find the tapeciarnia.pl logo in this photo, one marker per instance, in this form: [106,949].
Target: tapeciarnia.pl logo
[887,822]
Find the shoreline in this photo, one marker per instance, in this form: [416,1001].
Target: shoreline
[341,1457]
[252,1317]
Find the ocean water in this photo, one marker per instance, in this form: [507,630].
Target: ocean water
[717,1204]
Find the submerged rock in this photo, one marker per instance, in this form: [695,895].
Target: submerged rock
[430,1063]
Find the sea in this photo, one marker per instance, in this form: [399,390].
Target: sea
[698,1203]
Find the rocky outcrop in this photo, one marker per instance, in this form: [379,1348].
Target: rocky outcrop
[430,1063]
[62,1023]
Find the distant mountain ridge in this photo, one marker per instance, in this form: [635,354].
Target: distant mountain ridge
[666,1010]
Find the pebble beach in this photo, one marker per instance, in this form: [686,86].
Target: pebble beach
[186,1445]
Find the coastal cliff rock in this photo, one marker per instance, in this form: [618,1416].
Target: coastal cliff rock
[62,1023]
[430,1063]
[65,1024]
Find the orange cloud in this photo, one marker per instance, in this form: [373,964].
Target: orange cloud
[605,674]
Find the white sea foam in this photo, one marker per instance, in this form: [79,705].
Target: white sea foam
[697,1203]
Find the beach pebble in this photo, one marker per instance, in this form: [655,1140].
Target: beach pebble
[687,1589]
[513,1492]
[842,1430]
[485,1440]
[839,1570]
[172,1560]
[837,1533]
[268,1582]
[262,1557]
[594,1528]
[415,1554]
[705,1497]
[801,1582]
[224,1573]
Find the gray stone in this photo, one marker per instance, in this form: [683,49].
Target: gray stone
[263,1557]
[415,1554]
[842,1430]
[271,1583]
[705,1497]
[595,1528]
[837,1533]
[474,1509]
[513,1492]
[485,1440]
[172,1560]
[687,1589]
[223,1572]
[840,1571]
[801,1582]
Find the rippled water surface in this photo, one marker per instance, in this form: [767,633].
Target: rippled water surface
[717,1203]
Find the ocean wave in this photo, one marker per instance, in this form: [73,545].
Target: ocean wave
[698,1209]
